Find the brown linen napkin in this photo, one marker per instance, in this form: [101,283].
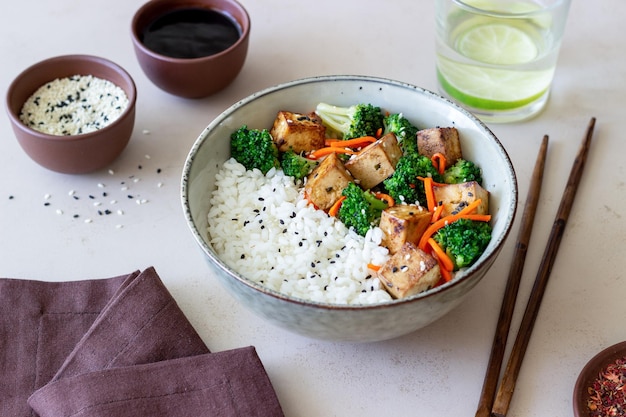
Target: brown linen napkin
[117,347]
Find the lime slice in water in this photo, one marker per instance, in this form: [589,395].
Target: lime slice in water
[488,87]
[497,44]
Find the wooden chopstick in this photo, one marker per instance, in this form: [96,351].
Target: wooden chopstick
[513,282]
[505,392]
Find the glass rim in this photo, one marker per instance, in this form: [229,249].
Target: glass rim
[543,9]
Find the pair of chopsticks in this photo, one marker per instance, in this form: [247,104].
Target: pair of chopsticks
[490,404]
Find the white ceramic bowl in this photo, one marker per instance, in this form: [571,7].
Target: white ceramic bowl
[339,322]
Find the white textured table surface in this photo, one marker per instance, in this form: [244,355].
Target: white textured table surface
[433,372]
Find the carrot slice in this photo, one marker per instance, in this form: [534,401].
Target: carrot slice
[385,197]
[445,274]
[354,142]
[373,267]
[334,209]
[442,256]
[439,162]
[318,153]
[437,213]
[430,194]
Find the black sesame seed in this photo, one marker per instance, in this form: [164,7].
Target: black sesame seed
[243,256]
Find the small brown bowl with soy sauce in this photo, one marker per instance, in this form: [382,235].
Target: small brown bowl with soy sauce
[191,48]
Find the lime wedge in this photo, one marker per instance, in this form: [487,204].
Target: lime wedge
[497,44]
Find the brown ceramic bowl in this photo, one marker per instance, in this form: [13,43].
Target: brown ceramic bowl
[191,77]
[590,372]
[80,153]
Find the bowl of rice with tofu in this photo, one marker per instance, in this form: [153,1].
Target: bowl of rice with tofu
[72,114]
[310,222]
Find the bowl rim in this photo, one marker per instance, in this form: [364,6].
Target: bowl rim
[590,371]
[245,30]
[103,62]
[329,306]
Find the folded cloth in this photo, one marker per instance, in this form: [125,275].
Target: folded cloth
[117,347]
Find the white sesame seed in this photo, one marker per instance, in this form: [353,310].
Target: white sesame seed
[113,201]
[71,192]
[59,211]
[160,184]
[111,172]
[120,212]
[100,185]
[88,220]
[47,196]
[97,203]
[146,132]
[136,180]
[148,156]
[119,226]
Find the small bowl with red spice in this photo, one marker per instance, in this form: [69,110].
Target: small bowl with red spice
[191,48]
[600,389]
[72,114]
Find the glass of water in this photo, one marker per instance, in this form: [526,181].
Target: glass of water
[497,57]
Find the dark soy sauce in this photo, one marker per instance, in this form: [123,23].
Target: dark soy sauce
[191,33]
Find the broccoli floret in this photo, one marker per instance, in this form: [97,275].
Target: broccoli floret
[405,132]
[351,122]
[254,148]
[360,210]
[404,186]
[296,165]
[463,171]
[464,241]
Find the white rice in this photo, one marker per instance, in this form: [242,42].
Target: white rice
[261,226]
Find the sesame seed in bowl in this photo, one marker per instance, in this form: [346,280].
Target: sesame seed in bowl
[72,114]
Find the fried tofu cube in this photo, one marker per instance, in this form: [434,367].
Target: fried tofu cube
[409,271]
[299,132]
[403,223]
[376,162]
[443,140]
[326,182]
[453,197]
